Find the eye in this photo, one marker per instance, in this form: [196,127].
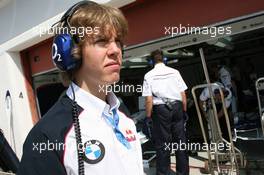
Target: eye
[119,43]
[101,42]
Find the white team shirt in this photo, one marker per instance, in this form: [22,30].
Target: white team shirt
[205,95]
[117,160]
[225,77]
[163,82]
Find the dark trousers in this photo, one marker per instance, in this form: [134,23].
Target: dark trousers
[223,126]
[168,128]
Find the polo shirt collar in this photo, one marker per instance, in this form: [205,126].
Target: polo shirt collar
[92,103]
[159,65]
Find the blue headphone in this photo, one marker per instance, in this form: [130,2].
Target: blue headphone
[151,61]
[63,43]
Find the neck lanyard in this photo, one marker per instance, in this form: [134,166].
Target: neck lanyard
[114,123]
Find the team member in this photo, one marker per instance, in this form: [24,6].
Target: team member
[205,104]
[164,90]
[84,132]
[205,96]
[224,76]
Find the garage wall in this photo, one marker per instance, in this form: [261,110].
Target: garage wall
[15,15]
[18,16]
[147,20]
[12,79]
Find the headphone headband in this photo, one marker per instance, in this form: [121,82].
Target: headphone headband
[73,9]
[63,43]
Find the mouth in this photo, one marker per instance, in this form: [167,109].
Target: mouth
[113,65]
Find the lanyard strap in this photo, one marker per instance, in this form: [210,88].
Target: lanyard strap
[114,123]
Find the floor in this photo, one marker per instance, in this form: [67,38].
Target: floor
[254,159]
[196,163]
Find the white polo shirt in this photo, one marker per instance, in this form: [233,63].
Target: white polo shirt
[163,82]
[99,135]
[205,95]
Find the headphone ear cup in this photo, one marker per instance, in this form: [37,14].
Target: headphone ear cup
[61,53]
[151,62]
[165,60]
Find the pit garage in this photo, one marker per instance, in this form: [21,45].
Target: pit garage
[241,52]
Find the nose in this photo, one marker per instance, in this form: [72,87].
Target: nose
[114,48]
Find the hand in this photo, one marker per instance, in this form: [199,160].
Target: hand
[185,116]
[147,127]
[148,121]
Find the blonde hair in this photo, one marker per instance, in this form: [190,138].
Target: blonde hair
[105,18]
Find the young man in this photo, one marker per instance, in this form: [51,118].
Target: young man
[164,90]
[108,142]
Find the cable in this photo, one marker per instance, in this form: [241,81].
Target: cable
[77,129]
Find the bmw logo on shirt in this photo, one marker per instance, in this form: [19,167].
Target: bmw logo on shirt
[94,151]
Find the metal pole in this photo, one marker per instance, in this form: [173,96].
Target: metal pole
[209,88]
[259,87]
[215,116]
[204,67]
[211,169]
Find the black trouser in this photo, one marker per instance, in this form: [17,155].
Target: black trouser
[223,126]
[168,128]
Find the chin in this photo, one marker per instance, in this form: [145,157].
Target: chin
[112,79]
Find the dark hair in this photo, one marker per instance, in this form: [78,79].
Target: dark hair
[225,92]
[157,55]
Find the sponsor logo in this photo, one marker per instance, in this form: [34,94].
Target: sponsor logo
[130,136]
[94,151]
